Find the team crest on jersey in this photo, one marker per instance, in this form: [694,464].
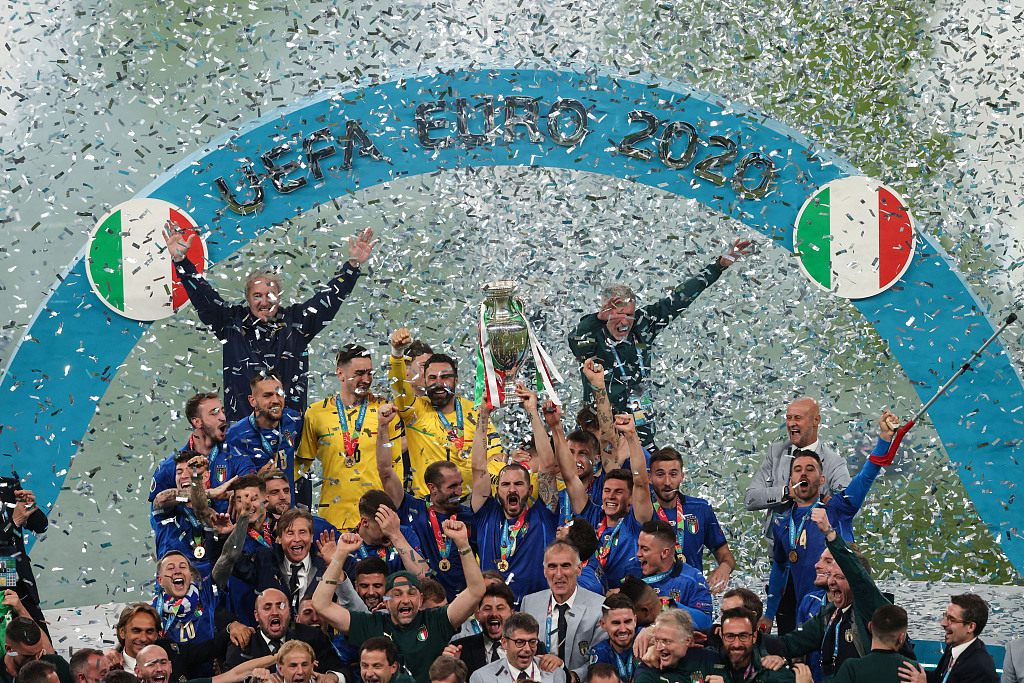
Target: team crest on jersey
[691,525]
[152,487]
[421,635]
[585,648]
[675,594]
[222,471]
[593,657]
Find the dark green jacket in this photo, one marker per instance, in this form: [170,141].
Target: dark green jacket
[590,339]
[697,660]
[761,675]
[877,666]
[866,599]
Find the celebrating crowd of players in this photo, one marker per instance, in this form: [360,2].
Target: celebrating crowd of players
[438,556]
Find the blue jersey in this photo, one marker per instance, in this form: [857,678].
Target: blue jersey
[685,587]
[592,576]
[163,475]
[809,542]
[808,608]
[179,529]
[276,446]
[697,529]
[623,662]
[386,553]
[240,597]
[617,548]
[525,551]
[192,619]
[225,466]
[414,512]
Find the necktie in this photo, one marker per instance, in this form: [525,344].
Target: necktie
[563,629]
[522,675]
[275,645]
[293,582]
[494,652]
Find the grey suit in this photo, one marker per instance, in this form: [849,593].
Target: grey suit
[768,486]
[1013,665]
[498,672]
[584,631]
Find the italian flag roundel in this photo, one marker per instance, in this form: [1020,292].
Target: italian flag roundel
[854,237]
[128,264]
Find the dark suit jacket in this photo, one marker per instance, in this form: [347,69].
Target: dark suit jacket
[474,653]
[975,665]
[192,655]
[326,656]
[262,570]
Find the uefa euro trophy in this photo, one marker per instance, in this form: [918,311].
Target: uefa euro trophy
[508,335]
[506,340]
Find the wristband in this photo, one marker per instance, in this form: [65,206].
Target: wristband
[467,551]
[330,583]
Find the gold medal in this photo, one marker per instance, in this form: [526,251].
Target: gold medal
[199,552]
[350,461]
[444,565]
[502,565]
[793,557]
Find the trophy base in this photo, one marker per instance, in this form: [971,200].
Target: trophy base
[512,400]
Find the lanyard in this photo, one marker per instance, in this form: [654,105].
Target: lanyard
[835,651]
[510,535]
[197,528]
[457,433]
[552,645]
[618,361]
[444,544]
[950,667]
[161,605]
[263,440]
[608,541]
[263,539]
[351,443]
[566,507]
[795,532]
[680,523]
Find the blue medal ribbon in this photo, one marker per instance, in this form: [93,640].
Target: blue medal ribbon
[639,359]
[263,440]
[459,426]
[655,578]
[794,532]
[625,668]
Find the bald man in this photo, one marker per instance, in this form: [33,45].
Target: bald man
[769,489]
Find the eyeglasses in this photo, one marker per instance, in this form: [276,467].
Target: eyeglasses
[739,637]
[524,642]
[953,620]
[664,642]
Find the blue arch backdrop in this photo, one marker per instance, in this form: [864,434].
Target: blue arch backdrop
[652,131]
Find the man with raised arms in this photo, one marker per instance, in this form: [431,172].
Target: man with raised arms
[263,335]
[798,544]
[693,519]
[425,517]
[617,521]
[512,530]
[620,337]
[420,635]
[341,432]
[438,426]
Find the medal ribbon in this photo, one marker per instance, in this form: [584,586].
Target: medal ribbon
[263,539]
[655,578]
[381,552]
[350,443]
[552,646]
[444,544]
[835,653]
[566,507]
[794,532]
[197,541]
[680,523]
[457,433]
[271,453]
[607,542]
[510,536]
[213,451]
[625,668]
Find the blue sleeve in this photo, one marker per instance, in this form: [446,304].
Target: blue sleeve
[314,314]
[858,489]
[211,308]
[698,604]
[413,538]
[776,579]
